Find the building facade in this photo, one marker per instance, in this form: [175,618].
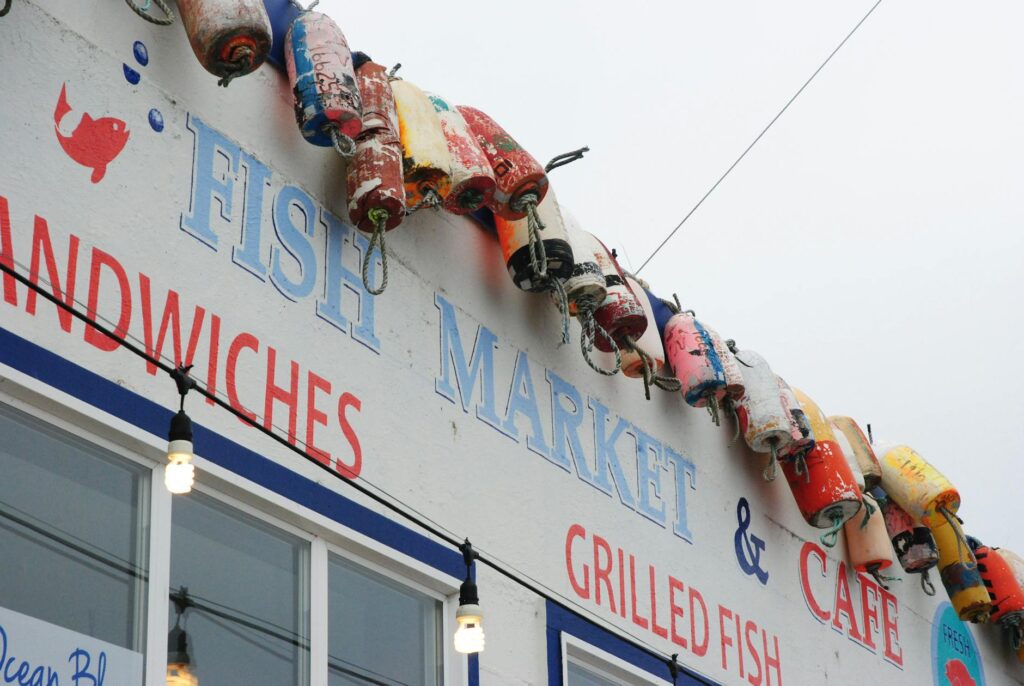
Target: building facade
[217,238]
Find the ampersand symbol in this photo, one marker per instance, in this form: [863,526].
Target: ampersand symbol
[748,548]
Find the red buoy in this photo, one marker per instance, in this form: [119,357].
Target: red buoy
[621,314]
[472,178]
[1006,594]
[520,178]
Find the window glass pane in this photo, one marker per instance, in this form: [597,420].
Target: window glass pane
[380,631]
[248,585]
[578,676]
[72,532]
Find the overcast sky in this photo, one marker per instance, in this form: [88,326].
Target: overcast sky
[870,246]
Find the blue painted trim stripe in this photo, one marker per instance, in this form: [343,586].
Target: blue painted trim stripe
[55,371]
[560,620]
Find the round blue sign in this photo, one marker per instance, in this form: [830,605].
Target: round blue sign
[955,657]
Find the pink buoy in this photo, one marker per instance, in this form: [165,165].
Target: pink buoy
[694,360]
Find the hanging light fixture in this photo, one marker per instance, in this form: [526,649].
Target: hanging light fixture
[469,637]
[180,473]
[179,662]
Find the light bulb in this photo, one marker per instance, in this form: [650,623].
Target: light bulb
[179,674]
[469,637]
[180,473]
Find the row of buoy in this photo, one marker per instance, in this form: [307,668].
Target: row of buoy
[408,149]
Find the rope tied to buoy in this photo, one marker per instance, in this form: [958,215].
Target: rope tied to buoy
[7,8]
[379,217]
[876,572]
[651,378]
[304,9]
[772,470]
[800,466]
[143,12]
[1014,624]
[869,510]
[730,407]
[241,63]
[344,145]
[831,537]
[712,408]
[527,203]
[565,158]
[926,583]
[590,330]
[961,542]
[431,199]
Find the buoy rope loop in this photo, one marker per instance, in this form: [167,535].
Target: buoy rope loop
[430,199]
[379,217]
[880,579]
[772,470]
[730,407]
[926,583]
[645,362]
[831,537]
[800,466]
[7,8]
[565,158]
[563,305]
[869,510]
[167,20]
[304,9]
[344,145]
[538,251]
[712,408]
[961,542]
[589,330]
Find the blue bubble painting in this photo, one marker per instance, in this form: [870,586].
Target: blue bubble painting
[156,120]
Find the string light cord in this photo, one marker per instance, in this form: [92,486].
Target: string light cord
[399,509]
[758,138]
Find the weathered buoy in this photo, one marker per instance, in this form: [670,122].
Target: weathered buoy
[821,481]
[913,543]
[328,108]
[800,428]
[1016,562]
[472,179]
[376,193]
[734,386]
[762,416]
[554,258]
[863,453]
[620,315]
[585,286]
[230,38]
[1004,591]
[958,569]
[426,162]
[867,543]
[918,487]
[692,355]
[847,450]
[521,180]
[646,357]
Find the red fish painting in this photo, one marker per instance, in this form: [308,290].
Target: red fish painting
[95,142]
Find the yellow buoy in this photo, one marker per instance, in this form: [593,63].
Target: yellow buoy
[426,161]
[959,571]
[916,486]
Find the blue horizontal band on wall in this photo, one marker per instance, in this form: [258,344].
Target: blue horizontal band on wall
[560,620]
[55,371]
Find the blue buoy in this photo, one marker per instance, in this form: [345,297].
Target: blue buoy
[131,75]
[156,120]
[141,53]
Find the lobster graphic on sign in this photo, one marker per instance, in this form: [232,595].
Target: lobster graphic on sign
[94,143]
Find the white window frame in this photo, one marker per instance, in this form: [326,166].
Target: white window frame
[325,535]
[579,652]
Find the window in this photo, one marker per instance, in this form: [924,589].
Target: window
[380,632]
[73,522]
[586,665]
[245,586]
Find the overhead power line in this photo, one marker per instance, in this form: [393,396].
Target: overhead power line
[759,137]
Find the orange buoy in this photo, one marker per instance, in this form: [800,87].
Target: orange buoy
[821,481]
[863,453]
[867,543]
[847,450]
[520,179]
[918,487]
[762,416]
[958,569]
[1004,591]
